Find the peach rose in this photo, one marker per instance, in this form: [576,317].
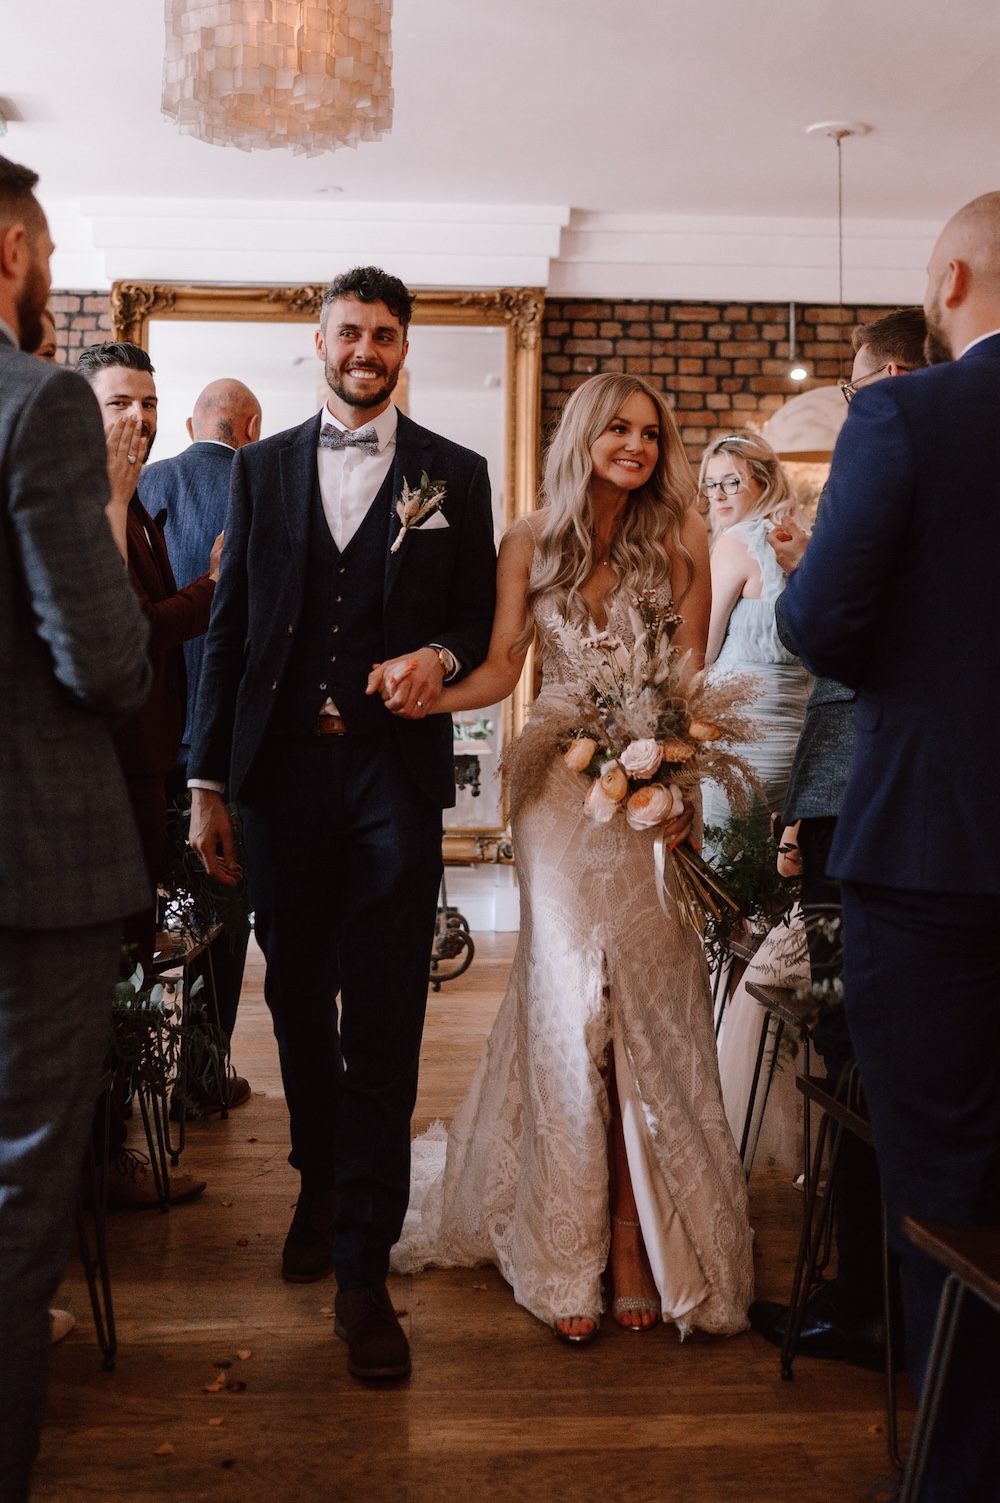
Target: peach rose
[579,754]
[653,805]
[704,730]
[676,751]
[614,783]
[640,759]
[598,805]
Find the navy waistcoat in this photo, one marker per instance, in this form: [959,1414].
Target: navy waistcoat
[340,631]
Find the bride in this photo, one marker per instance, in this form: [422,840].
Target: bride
[593,1139]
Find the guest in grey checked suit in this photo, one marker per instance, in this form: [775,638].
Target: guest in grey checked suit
[72,661]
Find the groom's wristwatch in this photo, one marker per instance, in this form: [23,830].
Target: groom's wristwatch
[447,659]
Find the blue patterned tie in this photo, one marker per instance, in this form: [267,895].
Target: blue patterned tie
[338,438]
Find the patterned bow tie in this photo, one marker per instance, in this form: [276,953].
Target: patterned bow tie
[337,438]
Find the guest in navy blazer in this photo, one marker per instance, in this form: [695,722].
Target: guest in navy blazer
[897,597]
[340,799]
[192,489]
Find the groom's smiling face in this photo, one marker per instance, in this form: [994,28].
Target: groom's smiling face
[362,346]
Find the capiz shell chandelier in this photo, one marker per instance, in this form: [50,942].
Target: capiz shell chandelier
[309,75]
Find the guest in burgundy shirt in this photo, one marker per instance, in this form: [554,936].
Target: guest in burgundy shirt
[121,377]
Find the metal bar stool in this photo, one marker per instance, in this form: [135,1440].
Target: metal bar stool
[174,960]
[843,1110]
[781,1009]
[741,948]
[971,1254]
[93,1193]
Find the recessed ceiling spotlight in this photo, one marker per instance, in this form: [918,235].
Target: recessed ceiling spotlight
[329,188]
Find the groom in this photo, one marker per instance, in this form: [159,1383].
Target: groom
[340,800]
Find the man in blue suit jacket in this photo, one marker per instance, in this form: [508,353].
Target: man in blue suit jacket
[897,597]
[340,799]
[192,488]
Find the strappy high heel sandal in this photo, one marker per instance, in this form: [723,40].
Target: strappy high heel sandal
[634,1304]
[578,1338]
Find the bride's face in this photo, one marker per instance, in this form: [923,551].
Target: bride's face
[728,501]
[625,454]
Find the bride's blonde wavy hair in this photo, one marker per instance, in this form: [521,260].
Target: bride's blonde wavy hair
[649,537]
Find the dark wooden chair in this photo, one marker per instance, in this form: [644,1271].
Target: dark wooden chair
[971,1254]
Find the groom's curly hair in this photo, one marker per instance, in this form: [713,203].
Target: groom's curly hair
[370,284]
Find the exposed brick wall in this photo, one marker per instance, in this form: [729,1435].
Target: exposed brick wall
[82,318]
[721,365]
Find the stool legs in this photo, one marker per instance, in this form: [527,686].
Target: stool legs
[949,1312]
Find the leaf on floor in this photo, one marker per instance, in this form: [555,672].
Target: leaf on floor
[401,1313]
[480,1288]
[217,1420]
[244,1356]
[165,1450]
[227,1204]
[215,1387]
[243,1242]
[327,1312]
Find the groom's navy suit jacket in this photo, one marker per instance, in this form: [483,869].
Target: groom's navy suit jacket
[898,596]
[438,587]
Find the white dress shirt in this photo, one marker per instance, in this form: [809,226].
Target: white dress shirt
[350,479]
[5,328]
[990,334]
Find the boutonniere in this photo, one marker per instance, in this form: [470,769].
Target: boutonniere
[414,507]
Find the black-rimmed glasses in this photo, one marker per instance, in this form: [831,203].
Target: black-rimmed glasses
[729,487]
[850,387]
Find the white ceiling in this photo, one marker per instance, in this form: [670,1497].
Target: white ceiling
[655,108]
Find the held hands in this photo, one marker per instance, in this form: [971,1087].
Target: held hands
[789,543]
[410,686]
[211,836]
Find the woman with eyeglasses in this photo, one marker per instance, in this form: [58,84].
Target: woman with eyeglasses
[747,490]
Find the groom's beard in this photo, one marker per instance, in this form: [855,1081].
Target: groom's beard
[335,381]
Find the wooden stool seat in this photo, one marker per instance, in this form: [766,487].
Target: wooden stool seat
[971,1254]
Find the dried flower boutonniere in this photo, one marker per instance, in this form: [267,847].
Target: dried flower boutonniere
[414,507]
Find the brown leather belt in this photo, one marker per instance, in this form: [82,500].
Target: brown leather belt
[325,725]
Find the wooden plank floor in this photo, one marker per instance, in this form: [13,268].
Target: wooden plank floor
[496,1411]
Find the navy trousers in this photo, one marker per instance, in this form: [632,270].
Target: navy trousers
[344,866]
[922,986]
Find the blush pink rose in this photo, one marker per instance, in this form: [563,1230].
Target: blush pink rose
[653,805]
[640,759]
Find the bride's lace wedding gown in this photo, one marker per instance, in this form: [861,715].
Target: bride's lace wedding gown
[600,973]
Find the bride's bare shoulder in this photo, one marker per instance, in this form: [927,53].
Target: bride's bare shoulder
[520,539]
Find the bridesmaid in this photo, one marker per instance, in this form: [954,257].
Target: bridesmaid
[747,490]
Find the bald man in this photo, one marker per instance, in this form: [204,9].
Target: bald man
[193,489]
[897,597]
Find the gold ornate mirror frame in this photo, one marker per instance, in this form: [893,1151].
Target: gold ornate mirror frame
[517,309]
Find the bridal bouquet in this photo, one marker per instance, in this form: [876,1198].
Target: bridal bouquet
[644,728]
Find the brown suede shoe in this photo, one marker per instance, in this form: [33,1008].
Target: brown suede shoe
[308,1251]
[376,1343]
